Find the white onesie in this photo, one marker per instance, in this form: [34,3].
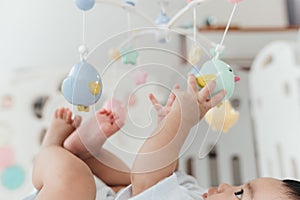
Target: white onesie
[103,192]
[178,186]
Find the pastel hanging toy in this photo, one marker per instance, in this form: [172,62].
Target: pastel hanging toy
[85,4]
[194,54]
[217,70]
[162,21]
[223,117]
[140,77]
[114,54]
[129,56]
[162,18]
[222,73]
[83,85]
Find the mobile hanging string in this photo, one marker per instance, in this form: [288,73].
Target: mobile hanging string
[83,86]
[83,50]
[195,24]
[220,47]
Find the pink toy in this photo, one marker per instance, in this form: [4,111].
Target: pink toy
[116,107]
[140,77]
[235,1]
[7,157]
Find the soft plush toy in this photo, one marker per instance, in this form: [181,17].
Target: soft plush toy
[114,54]
[140,77]
[83,86]
[194,54]
[219,71]
[129,56]
[85,4]
[222,117]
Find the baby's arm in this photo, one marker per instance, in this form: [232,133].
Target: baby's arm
[157,158]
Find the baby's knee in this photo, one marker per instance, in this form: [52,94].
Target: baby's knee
[79,183]
[56,164]
[77,176]
[68,166]
[60,169]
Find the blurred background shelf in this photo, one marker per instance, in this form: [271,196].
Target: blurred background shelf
[242,43]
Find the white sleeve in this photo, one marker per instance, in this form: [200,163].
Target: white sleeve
[189,183]
[167,189]
[32,195]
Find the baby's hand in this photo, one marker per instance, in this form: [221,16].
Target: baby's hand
[162,111]
[192,104]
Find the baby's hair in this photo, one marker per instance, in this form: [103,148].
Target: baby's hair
[293,187]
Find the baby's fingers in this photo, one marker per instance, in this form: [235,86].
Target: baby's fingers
[172,96]
[216,99]
[153,99]
[206,92]
[192,85]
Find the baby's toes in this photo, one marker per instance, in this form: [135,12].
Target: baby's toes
[103,111]
[69,117]
[65,115]
[111,117]
[77,121]
[59,113]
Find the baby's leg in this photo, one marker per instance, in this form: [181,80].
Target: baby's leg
[110,169]
[87,140]
[57,173]
[60,175]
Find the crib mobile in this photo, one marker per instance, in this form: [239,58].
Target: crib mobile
[83,86]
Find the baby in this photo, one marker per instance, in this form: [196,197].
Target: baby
[153,173]
[59,174]
[85,142]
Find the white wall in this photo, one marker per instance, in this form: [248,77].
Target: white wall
[48,33]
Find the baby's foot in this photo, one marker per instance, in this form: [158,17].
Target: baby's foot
[61,127]
[88,139]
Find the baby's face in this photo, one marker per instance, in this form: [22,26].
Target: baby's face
[257,189]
